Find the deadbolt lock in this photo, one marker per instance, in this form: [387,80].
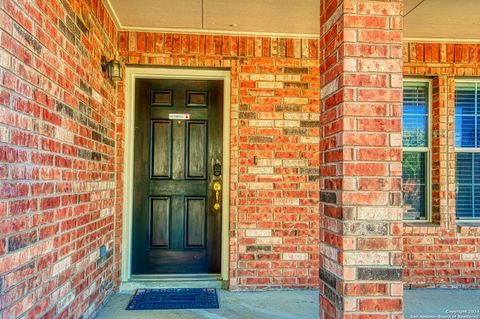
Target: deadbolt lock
[217,169]
[217,187]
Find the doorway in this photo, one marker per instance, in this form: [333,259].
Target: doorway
[177,176]
[177,172]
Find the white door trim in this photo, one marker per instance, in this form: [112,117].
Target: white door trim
[133,73]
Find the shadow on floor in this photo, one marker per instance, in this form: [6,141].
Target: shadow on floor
[286,304]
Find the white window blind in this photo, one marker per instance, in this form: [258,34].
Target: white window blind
[467,143]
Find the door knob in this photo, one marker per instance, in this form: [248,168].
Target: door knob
[217,187]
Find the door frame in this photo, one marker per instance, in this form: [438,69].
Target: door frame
[133,73]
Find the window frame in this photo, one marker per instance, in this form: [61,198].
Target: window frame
[427,150]
[464,149]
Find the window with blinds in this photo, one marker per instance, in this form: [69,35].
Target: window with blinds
[416,150]
[467,145]
[415,114]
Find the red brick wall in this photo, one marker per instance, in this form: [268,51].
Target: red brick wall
[57,156]
[274,218]
[444,253]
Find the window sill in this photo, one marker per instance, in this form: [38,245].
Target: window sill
[420,227]
[469,228]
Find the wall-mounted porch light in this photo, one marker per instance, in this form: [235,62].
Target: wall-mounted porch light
[113,67]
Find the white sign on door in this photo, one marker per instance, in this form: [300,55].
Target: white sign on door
[178,116]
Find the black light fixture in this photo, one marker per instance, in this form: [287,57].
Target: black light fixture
[113,67]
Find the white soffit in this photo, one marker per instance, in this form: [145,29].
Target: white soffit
[269,17]
[439,20]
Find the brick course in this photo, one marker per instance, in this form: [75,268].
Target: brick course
[57,158]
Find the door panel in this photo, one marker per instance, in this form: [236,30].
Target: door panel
[196,98]
[162,98]
[160,222]
[178,140]
[161,149]
[195,225]
[196,140]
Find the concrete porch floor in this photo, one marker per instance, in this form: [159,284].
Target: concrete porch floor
[286,304]
[442,304]
[303,304]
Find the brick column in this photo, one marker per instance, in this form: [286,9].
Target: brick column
[361,93]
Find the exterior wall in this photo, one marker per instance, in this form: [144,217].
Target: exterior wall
[445,252]
[61,158]
[361,220]
[274,218]
[57,156]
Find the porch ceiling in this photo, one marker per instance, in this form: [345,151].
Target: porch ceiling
[424,19]
[442,19]
[299,17]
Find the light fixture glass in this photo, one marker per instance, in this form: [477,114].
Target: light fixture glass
[113,67]
[115,70]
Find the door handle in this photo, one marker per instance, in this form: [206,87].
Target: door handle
[217,187]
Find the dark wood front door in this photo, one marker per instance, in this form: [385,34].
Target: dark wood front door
[177,162]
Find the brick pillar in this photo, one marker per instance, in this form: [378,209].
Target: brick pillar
[443,151]
[361,93]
